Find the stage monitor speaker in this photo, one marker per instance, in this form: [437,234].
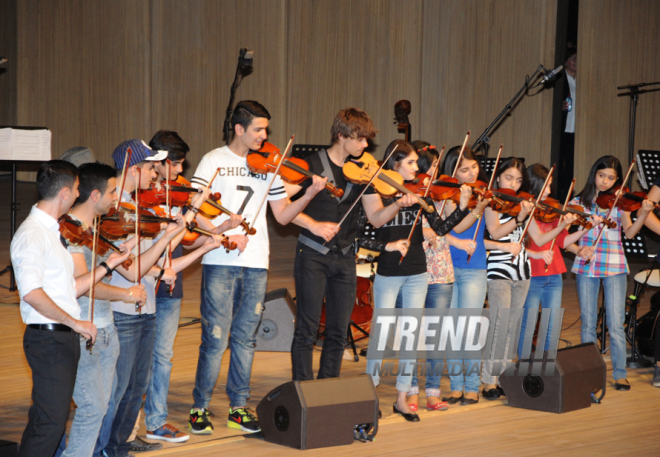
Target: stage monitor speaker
[275,332]
[320,413]
[8,448]
[579,371]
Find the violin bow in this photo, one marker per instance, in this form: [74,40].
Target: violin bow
[272,181]
[568,197]
[458,161]
[490,186]
[127,160]
[168,199]
[536,204]
[609,213]
[426,193]
[137,232]
[95,239]
[365,189]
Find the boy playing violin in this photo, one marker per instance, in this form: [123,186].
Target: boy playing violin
[136,327]
[234,283]
[325,257]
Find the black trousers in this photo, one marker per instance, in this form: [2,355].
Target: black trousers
[53,357]
[332,276]
[564,173]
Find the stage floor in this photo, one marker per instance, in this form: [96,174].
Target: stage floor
[623,424]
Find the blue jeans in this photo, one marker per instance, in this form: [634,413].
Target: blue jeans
[438,296]
[136,342]
[386,290]
[232,301]
[545,290]
[469,292]
[614,291]
[168,311]
[92,391]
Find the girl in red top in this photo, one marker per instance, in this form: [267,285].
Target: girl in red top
[546,286]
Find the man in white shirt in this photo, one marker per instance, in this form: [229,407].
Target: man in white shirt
[234,283]
[48,291]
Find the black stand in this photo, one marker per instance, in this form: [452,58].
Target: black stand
[351,341]
[636,360]
[244,67]
[484,138]
[633,92]
[14,208]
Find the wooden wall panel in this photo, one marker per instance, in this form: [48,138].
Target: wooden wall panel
[619,44]
[195,46]
[476,57]
[84,71]
[361,53]
[8,49]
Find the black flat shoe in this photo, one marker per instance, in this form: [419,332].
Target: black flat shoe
[411,417]
[623,385]
[380,414]
[491,394]
[469,401]
[452,400]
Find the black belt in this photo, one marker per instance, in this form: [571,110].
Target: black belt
[51,327]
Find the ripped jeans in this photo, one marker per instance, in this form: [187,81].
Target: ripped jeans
[232,300]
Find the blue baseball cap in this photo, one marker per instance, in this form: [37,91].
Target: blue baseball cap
[140,152]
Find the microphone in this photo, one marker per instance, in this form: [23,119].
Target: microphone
[3,60]
[551,76]
[245,58]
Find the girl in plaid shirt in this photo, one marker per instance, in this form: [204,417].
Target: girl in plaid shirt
[607,262]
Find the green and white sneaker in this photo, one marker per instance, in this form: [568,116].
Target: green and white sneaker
[243,419]
[199,422]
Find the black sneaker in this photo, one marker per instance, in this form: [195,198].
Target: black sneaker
[199,422]
[140,445]
[243,419]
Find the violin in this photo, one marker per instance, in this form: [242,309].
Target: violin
[388,184]
[212,208]
[157,194]
[118,224]
[293,170]
[628,201]
[75,233]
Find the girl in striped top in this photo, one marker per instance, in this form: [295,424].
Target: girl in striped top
[509,270]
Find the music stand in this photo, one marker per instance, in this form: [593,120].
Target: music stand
[14,205]
[648,168]
[300,151]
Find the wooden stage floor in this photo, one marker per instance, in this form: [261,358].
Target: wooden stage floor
[622,425]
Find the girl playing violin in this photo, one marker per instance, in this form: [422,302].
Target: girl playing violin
[469,278]
[607,262]
[508,266]
[440,281]
[546,260]
[409,276]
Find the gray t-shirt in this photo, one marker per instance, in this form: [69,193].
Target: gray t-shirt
[103,316]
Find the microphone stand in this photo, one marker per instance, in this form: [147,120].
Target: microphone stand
[244,67]
[484,139]
[633,94]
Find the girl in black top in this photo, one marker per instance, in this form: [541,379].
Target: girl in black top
[409,276]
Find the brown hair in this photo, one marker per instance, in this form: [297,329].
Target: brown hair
[352,123]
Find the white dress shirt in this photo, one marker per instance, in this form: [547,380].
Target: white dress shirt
[41,261]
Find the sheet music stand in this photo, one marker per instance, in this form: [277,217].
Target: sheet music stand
[648,168]
[14,207]
[300,151]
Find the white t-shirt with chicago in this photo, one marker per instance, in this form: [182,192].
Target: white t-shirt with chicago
[242,191]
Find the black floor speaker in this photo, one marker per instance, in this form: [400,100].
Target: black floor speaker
[320,413]
[275,332]
[578,371]
[8,448]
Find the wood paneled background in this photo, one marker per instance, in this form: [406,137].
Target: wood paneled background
[97,73]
